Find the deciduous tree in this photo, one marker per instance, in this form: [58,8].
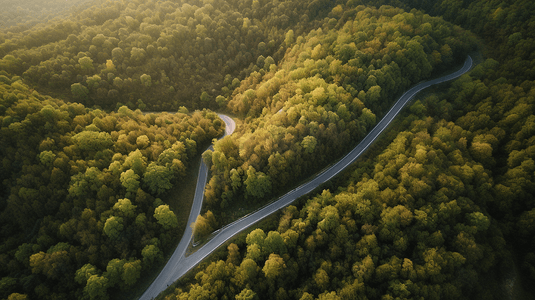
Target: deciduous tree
[165,217]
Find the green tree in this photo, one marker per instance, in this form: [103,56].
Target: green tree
[202,227]
[257,184]
[246,294]
[86,63]
[114,269]
[479,220]
[137,56]
[256,236]
[93,82]
[50,264]
[79,91]
[235,179]
[221,101]
[364,269]
[84,273]
[274,243]
[373,94]
[207,157]
[142,141]
[268,62]
[23,253]
[482,152]
[205,97]
[47,157]
[118,82]
[92,141]
[246,272]
[11,64]
[113,227]
[97,287]
[150,254]
[130,180]
[136,161]
[158,178]
[131,272]
[117,54]
[146,80]
[368,118]
[322,279]
[330,218]
[309,143]
[7,285]
[165,217]
[17,296]
[289,38]
[125,207]
[233,254]
[273,267]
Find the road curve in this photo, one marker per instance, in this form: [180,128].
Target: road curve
[169,271]
[177,267]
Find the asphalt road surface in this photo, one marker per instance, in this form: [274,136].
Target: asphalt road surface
[179,264]
[169,273]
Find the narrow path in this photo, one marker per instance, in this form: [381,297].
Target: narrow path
[179,264]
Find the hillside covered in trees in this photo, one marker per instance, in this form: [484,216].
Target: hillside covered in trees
[324,96]
[445,200]
[19,15]
[80,187]
[154,54]
[446,203]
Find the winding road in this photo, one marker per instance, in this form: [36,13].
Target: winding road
[179,264]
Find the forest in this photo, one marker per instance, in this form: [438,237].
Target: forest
[20,15]
[105,108]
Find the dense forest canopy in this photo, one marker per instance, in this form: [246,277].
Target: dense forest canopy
[19,15]
[80,190]
[164,53]
[325,96]
[439,210]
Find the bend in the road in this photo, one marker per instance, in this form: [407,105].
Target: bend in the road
[184,264]
[167,275]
